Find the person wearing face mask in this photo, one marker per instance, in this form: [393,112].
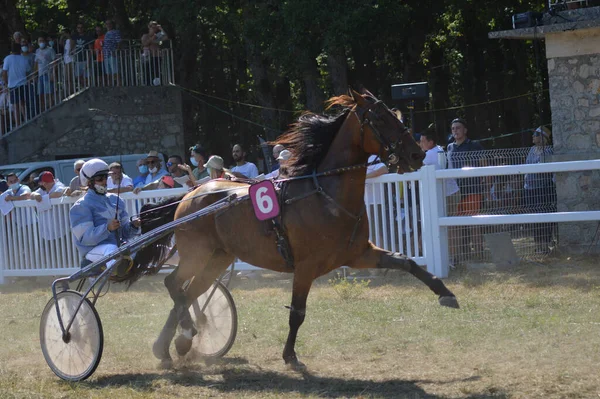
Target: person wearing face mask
[96,227]
[14,75]
[44,55]
[143,170]
[198,158]
[18,191]
[155,173]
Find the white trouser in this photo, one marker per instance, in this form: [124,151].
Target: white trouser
[101,251]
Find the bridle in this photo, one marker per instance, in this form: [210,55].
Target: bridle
[366,116]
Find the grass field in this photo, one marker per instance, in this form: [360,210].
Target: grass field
[532,332]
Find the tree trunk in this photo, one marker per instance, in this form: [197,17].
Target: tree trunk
[338,70]
[310,78]
[11,17]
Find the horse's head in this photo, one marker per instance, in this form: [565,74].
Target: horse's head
[383,134]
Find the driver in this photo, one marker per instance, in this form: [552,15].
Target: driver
[93,223]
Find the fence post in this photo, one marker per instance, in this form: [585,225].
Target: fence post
[438,235]
[3,255]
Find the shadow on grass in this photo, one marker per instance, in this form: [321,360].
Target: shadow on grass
[245,379]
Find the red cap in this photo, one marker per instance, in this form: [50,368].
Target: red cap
[46,177]
[168,181]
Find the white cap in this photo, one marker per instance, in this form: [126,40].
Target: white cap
[92,168]
[284,155]
[215,162]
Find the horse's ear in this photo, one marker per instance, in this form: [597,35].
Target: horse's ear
[356,96]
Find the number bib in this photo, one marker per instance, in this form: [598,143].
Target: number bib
[264,200]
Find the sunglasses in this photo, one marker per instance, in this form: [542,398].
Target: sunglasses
[99,179]
[78,170]
[153,162]
[169,164]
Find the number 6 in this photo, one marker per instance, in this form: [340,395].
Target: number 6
[264,202]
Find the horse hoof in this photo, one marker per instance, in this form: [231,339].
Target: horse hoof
[183,345]
[295,365]
[159,351]
[449,301]
[166,364]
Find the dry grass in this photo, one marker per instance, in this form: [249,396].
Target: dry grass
[533,332]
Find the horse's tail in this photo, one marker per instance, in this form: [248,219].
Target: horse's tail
[150,259]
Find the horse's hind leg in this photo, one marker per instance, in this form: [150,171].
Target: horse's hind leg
[300,292]
[217,263]
[378,258]
[162,343]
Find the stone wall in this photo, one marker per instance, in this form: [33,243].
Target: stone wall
[575,102]
[102,122]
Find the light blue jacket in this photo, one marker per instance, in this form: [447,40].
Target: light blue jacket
[89,221]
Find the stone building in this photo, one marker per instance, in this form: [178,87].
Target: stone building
[101,121]
[572,40]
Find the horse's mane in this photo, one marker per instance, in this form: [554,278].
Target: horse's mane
[310,137]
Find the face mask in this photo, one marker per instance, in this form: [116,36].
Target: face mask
[99,189]
[42,45]
[153,170]
[143,169]
[15,186]
[194,162]
[24,49]
[51,43]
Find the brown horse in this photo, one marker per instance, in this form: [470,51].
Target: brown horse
[323,217]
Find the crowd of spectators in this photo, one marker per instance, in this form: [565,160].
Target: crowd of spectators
[38,74]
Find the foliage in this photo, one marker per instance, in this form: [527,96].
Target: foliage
[290,55]
[347,289]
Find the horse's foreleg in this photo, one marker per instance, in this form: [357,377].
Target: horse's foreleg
[162,343]
[378,258]
[300,292]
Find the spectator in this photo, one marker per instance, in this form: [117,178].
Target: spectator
[243,169]
[30,87]
[43,57]
[151,52]
[3,184]
[155,173]
[49,186]
[283,156]
[99,57]
[27,52]
[69,49]
[460,156]
[53,44]
[118,182]
[82,42]
[540,190]
[180,172]
[373,199]
[96,227]
[143,170]
[4,107]
[14,75]
[276,151]
[17,36]
[112,39]
[19,191]
[75,184]
[451,190]
[198,159]
[215,166]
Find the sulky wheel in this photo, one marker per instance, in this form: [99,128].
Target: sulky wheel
[75,356]
[215,318]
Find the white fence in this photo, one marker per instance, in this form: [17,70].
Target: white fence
[39,245]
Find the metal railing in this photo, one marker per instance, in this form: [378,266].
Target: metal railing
[61,80]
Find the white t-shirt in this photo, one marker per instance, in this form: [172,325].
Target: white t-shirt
[44,57]
[432,158]
[372,191]
[248,169]
[17,68]
[50,227]
[125,182]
